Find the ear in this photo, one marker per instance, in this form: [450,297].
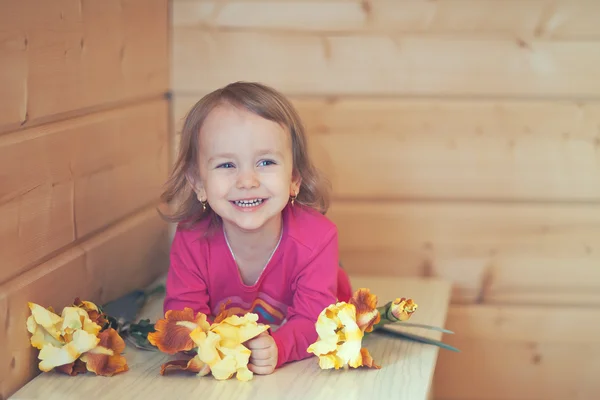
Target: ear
[295,185]
[196,184]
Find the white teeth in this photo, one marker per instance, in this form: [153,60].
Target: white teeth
[248,203]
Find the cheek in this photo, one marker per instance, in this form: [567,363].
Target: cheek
[280,181]
[217,186]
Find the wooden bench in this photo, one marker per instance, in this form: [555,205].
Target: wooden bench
[406,373]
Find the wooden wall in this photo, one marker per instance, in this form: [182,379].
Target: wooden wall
[462,138]
[84,143]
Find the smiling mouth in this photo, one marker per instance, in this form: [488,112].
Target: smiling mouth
[248,203]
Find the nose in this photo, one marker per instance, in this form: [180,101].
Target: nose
[247,179]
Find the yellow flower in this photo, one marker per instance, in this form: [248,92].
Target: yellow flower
[73,342]
[220,346]
[222,349]
[340,339]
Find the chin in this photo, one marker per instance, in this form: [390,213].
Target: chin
[252,223]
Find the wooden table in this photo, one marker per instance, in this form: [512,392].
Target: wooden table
[406,373]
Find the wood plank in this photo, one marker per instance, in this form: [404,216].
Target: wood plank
[131,254]
[408,362]
[380,64]
[61,57]
[100,270]
[520,353]
[62,181]
[505,253]
[450,149]
[516,18]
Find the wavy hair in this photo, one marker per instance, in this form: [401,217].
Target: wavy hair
[261,100]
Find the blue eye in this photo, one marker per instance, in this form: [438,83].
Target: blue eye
[225,165]
[265,163]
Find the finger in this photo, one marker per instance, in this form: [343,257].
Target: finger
[263,354]
[263,363]
[260,370]
[259,343]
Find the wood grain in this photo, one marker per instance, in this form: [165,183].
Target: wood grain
[519,353]
[411,363]
[406,65]
[60,182]
[62,57]
[497,253]
[125,257]
[450,149]
[484,18]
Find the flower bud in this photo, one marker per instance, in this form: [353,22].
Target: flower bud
[401,309]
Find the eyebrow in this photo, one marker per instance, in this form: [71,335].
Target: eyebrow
[269,151]
[258,153]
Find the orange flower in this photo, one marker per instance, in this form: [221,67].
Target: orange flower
[105,359]
[367,314]
[401,309]
[173,332]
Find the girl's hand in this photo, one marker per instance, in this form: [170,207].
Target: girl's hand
[264,354]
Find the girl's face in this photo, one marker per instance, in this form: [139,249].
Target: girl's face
[246,166]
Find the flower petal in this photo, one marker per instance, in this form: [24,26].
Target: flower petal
[328,361]
[235,330]
[327,326]
[367,360]
[224,369]
[52,356]
[44,325]
[207,346]
[73,369]
[40,336]
[75,318]
[194,364]
[92,310]
[172,334]
[106,359]
[244,374]
[349,350]
[241,355]
[367,314]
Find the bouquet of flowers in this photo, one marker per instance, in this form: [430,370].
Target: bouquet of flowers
[217,348]
[342,326]
[81,339]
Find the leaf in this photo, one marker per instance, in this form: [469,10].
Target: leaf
[416,338]
[431,327]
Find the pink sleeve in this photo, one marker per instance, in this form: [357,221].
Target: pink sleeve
[185,285]
[314,288]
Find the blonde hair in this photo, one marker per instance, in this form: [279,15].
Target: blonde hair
[260,100]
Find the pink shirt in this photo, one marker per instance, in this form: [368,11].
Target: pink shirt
[300,280]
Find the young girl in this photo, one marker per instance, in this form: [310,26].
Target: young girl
[251,233]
